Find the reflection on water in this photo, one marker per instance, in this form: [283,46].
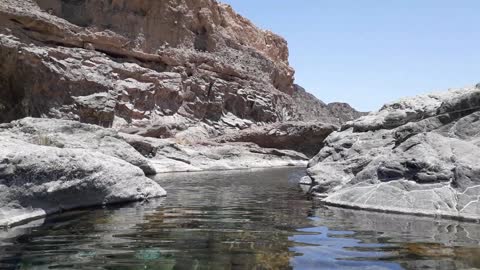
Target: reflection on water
[238,220]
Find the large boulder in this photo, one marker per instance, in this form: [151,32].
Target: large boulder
[37,180]
[418,155]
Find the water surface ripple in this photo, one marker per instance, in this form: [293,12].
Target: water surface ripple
[238,220]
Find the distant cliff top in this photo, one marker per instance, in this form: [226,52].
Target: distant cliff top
[312,109]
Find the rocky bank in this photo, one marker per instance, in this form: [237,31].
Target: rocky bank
[48,166]
[52,165]
[417,155]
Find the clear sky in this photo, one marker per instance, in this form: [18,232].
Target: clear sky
[369,52]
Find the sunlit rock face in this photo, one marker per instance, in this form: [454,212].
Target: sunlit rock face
[418,155]
[140,63]
[153,68]
[48,166]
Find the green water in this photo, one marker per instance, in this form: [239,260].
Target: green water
[238,220]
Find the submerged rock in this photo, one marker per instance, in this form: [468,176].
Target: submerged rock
[418,155]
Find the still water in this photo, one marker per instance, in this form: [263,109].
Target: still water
[238,220]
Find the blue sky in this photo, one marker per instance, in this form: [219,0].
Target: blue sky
[369,52]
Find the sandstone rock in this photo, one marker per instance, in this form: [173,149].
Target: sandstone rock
[417,155]
[203,25]
[38,180]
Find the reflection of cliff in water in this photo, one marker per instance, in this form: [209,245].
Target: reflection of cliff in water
[415,242]
[173,238]
[223,220]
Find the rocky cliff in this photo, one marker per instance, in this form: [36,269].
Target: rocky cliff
[154,68]
[418,155]
[140,63]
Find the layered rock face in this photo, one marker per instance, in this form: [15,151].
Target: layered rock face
[163,65]
[418,155]
[48,166]
[153,68]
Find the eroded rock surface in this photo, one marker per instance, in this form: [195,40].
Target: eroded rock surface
[47,166]
[153,68]
[418,155]
[75,135]
[105,62]
[171,76]
[170,155]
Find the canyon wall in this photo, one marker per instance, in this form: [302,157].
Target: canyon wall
[153,68]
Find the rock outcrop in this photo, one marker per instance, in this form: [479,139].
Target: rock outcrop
[48,166]
[418,155]
[52,165]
